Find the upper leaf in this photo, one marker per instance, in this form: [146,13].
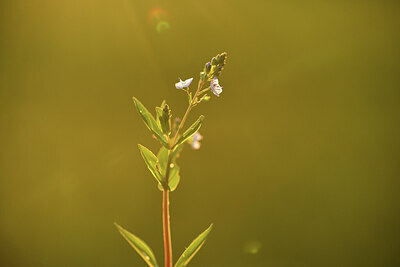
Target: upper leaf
[140,246]
[151,161]
[193,248]
[191,131]
[150,122]
[163,114]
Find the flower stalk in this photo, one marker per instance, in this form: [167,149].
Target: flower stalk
[191,104]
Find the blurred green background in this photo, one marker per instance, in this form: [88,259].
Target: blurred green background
[299,165]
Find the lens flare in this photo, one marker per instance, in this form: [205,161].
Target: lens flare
[158,20]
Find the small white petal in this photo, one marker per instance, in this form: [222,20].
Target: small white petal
[215,87]
[178,86]
[183,84]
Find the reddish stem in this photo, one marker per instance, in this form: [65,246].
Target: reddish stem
[167,230]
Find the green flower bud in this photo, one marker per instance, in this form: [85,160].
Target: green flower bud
[214,61]
[203,75]
[221,59]
[205,98]
[167,110]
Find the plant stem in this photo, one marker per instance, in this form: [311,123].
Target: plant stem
[166,216]
[205,90]
[165,206]
[187,112]
[167,230]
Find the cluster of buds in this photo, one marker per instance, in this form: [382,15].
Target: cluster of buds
[211,72]
[214,68]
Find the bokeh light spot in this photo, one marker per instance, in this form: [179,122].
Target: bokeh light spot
[163,26]
[252,247]
[158,19]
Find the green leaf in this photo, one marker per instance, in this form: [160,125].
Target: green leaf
[162,160]
[174,178]
[150,122]
[151,161]
[140,246]
[193,248]
[163,119]
[191,131]
[163,157]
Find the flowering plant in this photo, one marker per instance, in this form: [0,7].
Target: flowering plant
[164,167]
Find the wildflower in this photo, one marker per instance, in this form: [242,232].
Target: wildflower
[183,84]
[215,87]
[195,140]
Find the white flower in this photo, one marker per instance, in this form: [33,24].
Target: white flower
[183,84]
[195,140]
[215,87]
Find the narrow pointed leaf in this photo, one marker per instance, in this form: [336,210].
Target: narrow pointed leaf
[191,131]
[151,161]
[193,248]
[150,122]
[140,246]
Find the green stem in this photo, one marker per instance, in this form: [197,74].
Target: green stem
[187,112]
[205,90]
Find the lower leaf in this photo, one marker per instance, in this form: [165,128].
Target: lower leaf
[193,248]
[140,246]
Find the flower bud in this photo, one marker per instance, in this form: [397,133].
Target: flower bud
[205,98]
[221,58]
[208,67]
[167,110]
[202,75]
[214,61]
